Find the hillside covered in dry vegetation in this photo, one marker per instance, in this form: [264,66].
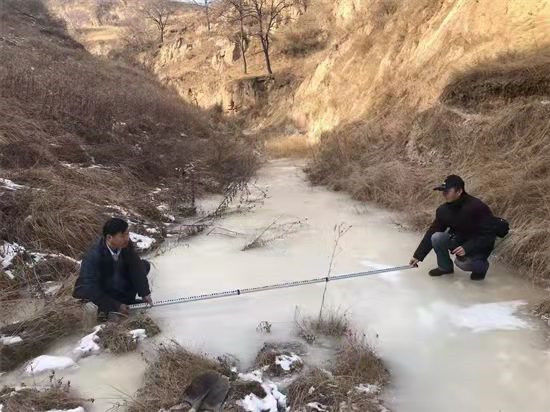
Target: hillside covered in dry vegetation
[83,138]
[386,97]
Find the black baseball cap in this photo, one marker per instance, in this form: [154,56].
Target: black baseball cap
[452,181]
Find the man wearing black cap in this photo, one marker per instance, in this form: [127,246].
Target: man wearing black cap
[462,227]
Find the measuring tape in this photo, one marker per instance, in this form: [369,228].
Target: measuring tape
[237,292]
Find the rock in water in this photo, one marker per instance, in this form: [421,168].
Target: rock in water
[207,391]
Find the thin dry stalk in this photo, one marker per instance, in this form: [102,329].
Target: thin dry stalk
[339,231]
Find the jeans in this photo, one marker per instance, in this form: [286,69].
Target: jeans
[442,242]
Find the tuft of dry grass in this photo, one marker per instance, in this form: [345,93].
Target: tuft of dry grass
[268,354]
[167,376]
[57,396]
[116,337]
[332,323]
[337,388]
[37,333]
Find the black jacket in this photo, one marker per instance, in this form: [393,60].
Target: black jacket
[100,283]
[469,223]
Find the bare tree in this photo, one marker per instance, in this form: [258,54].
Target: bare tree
[266,14]
[242,14]
[159,12]
[206,5]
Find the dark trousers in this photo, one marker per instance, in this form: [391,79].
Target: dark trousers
[442,243]
[129,297]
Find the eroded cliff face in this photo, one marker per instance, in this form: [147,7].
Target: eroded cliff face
[405,52]
[378,54]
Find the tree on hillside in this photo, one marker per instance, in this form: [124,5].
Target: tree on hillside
[206,7]
[159,12]
[241,16]
[265,15]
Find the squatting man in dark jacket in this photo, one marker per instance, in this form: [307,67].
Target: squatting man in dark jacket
[462,226]
[112,274]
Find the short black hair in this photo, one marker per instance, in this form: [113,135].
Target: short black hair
[114,225]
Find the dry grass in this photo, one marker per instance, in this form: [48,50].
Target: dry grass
[543,310]
[356,363]
[57,396]
[37,333]
[332,323]
[269,353]
[293,146]
[168,376]
[491,126]
[116,337]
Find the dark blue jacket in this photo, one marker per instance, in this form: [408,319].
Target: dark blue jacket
[100,283]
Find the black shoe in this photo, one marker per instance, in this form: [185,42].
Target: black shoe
[477,276]
[439,272]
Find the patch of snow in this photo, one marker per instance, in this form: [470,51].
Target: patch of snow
[10,340]
[368,389]
[162,207]
[8,251]
[142,242]
[286,361]
[316,406]
[51,288]
[46,363]
[490,316]
[88,345]
[1,407]
[156,190]
[121,210]
[138,334]
[311,390]
[151,230]
[79,409]
[233,369]
[9,274]
[8,184]
[254,376]
[272,402]
[545,102]
[171,218]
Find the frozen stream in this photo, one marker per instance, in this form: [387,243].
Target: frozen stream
[451,344]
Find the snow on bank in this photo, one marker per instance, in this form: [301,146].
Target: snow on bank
[10,340]
[316,406]
[286,361]
[8,252]
[272,402]
[79,409]
[8,184]
[368,389]
[490,316]
[46,363]
[142,242]
[138,334]
[88,345]
[254,376]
